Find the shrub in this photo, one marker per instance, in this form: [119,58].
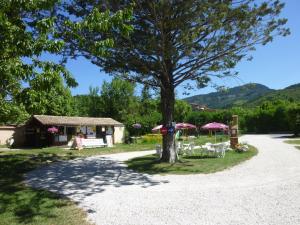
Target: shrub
[152,138]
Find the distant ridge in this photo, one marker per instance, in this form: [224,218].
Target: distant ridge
[236,96]
[290,93]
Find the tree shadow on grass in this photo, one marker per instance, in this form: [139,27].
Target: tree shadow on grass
[18,202]
[200,157]
[76,179]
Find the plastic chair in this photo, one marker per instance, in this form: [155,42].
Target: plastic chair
[220,150]
[158,150]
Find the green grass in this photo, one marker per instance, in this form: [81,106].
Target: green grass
[20,204]
[293,142]
[204,139]
[189,164]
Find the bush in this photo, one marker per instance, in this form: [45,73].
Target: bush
[152,138]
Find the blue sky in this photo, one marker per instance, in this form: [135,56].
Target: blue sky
[276,65]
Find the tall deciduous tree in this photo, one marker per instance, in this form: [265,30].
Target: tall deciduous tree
[178,41]
[27,31]
[117,99]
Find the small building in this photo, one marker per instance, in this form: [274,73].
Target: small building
[198,107]
[37,134]
[6,132]
[12,131]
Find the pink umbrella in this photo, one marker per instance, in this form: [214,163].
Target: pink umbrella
[52,130]
[157,128]
[179,126]
[214,126]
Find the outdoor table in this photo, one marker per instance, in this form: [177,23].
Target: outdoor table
[134,139]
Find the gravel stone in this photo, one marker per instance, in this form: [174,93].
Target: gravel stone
[264,190]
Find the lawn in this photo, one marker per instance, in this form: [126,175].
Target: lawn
[204,139]
[20,204]
[189,164]
[23,205]
[293,142]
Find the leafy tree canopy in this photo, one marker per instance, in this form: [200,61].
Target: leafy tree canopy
[177,41]
[27,31]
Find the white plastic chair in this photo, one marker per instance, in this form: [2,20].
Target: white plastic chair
[208,149]
[220,150]
[158,150]
[191,148]
[179,147]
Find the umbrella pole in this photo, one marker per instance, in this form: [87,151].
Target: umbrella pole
[215,136]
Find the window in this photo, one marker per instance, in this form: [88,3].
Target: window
[71,130]
[61,130]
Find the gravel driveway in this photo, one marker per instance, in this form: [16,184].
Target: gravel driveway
[263,190]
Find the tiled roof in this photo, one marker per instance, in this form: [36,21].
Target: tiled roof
[70,120]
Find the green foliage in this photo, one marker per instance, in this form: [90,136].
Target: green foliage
[12,113]
[249,95]
[232,97]
[89,105]
[289,94]
[117,99]
[152,138]
[46,95]
[294,119]
[27,32]
[173,42]
[276,116]
[181,110]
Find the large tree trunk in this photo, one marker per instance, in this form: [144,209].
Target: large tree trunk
[167,107]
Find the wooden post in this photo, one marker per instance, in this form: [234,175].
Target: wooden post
[234,132]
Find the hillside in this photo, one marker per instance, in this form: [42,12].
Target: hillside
[236,96]
[290,93]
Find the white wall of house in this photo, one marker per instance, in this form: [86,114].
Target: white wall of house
[119,134]
[5,133]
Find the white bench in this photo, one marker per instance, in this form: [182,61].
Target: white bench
[93,143]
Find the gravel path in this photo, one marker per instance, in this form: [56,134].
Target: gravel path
[264,190]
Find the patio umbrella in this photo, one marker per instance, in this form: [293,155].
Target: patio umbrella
[179,126]
[52,130]
[214,127]
[157,128]
[137,126]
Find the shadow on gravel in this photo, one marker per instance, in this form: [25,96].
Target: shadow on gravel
[285,136]
[83,177]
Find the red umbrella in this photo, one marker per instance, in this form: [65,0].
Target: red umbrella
[214,126]
[179,126]
[157,128]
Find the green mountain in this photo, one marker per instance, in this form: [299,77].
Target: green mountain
[236,96]
[290,93]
